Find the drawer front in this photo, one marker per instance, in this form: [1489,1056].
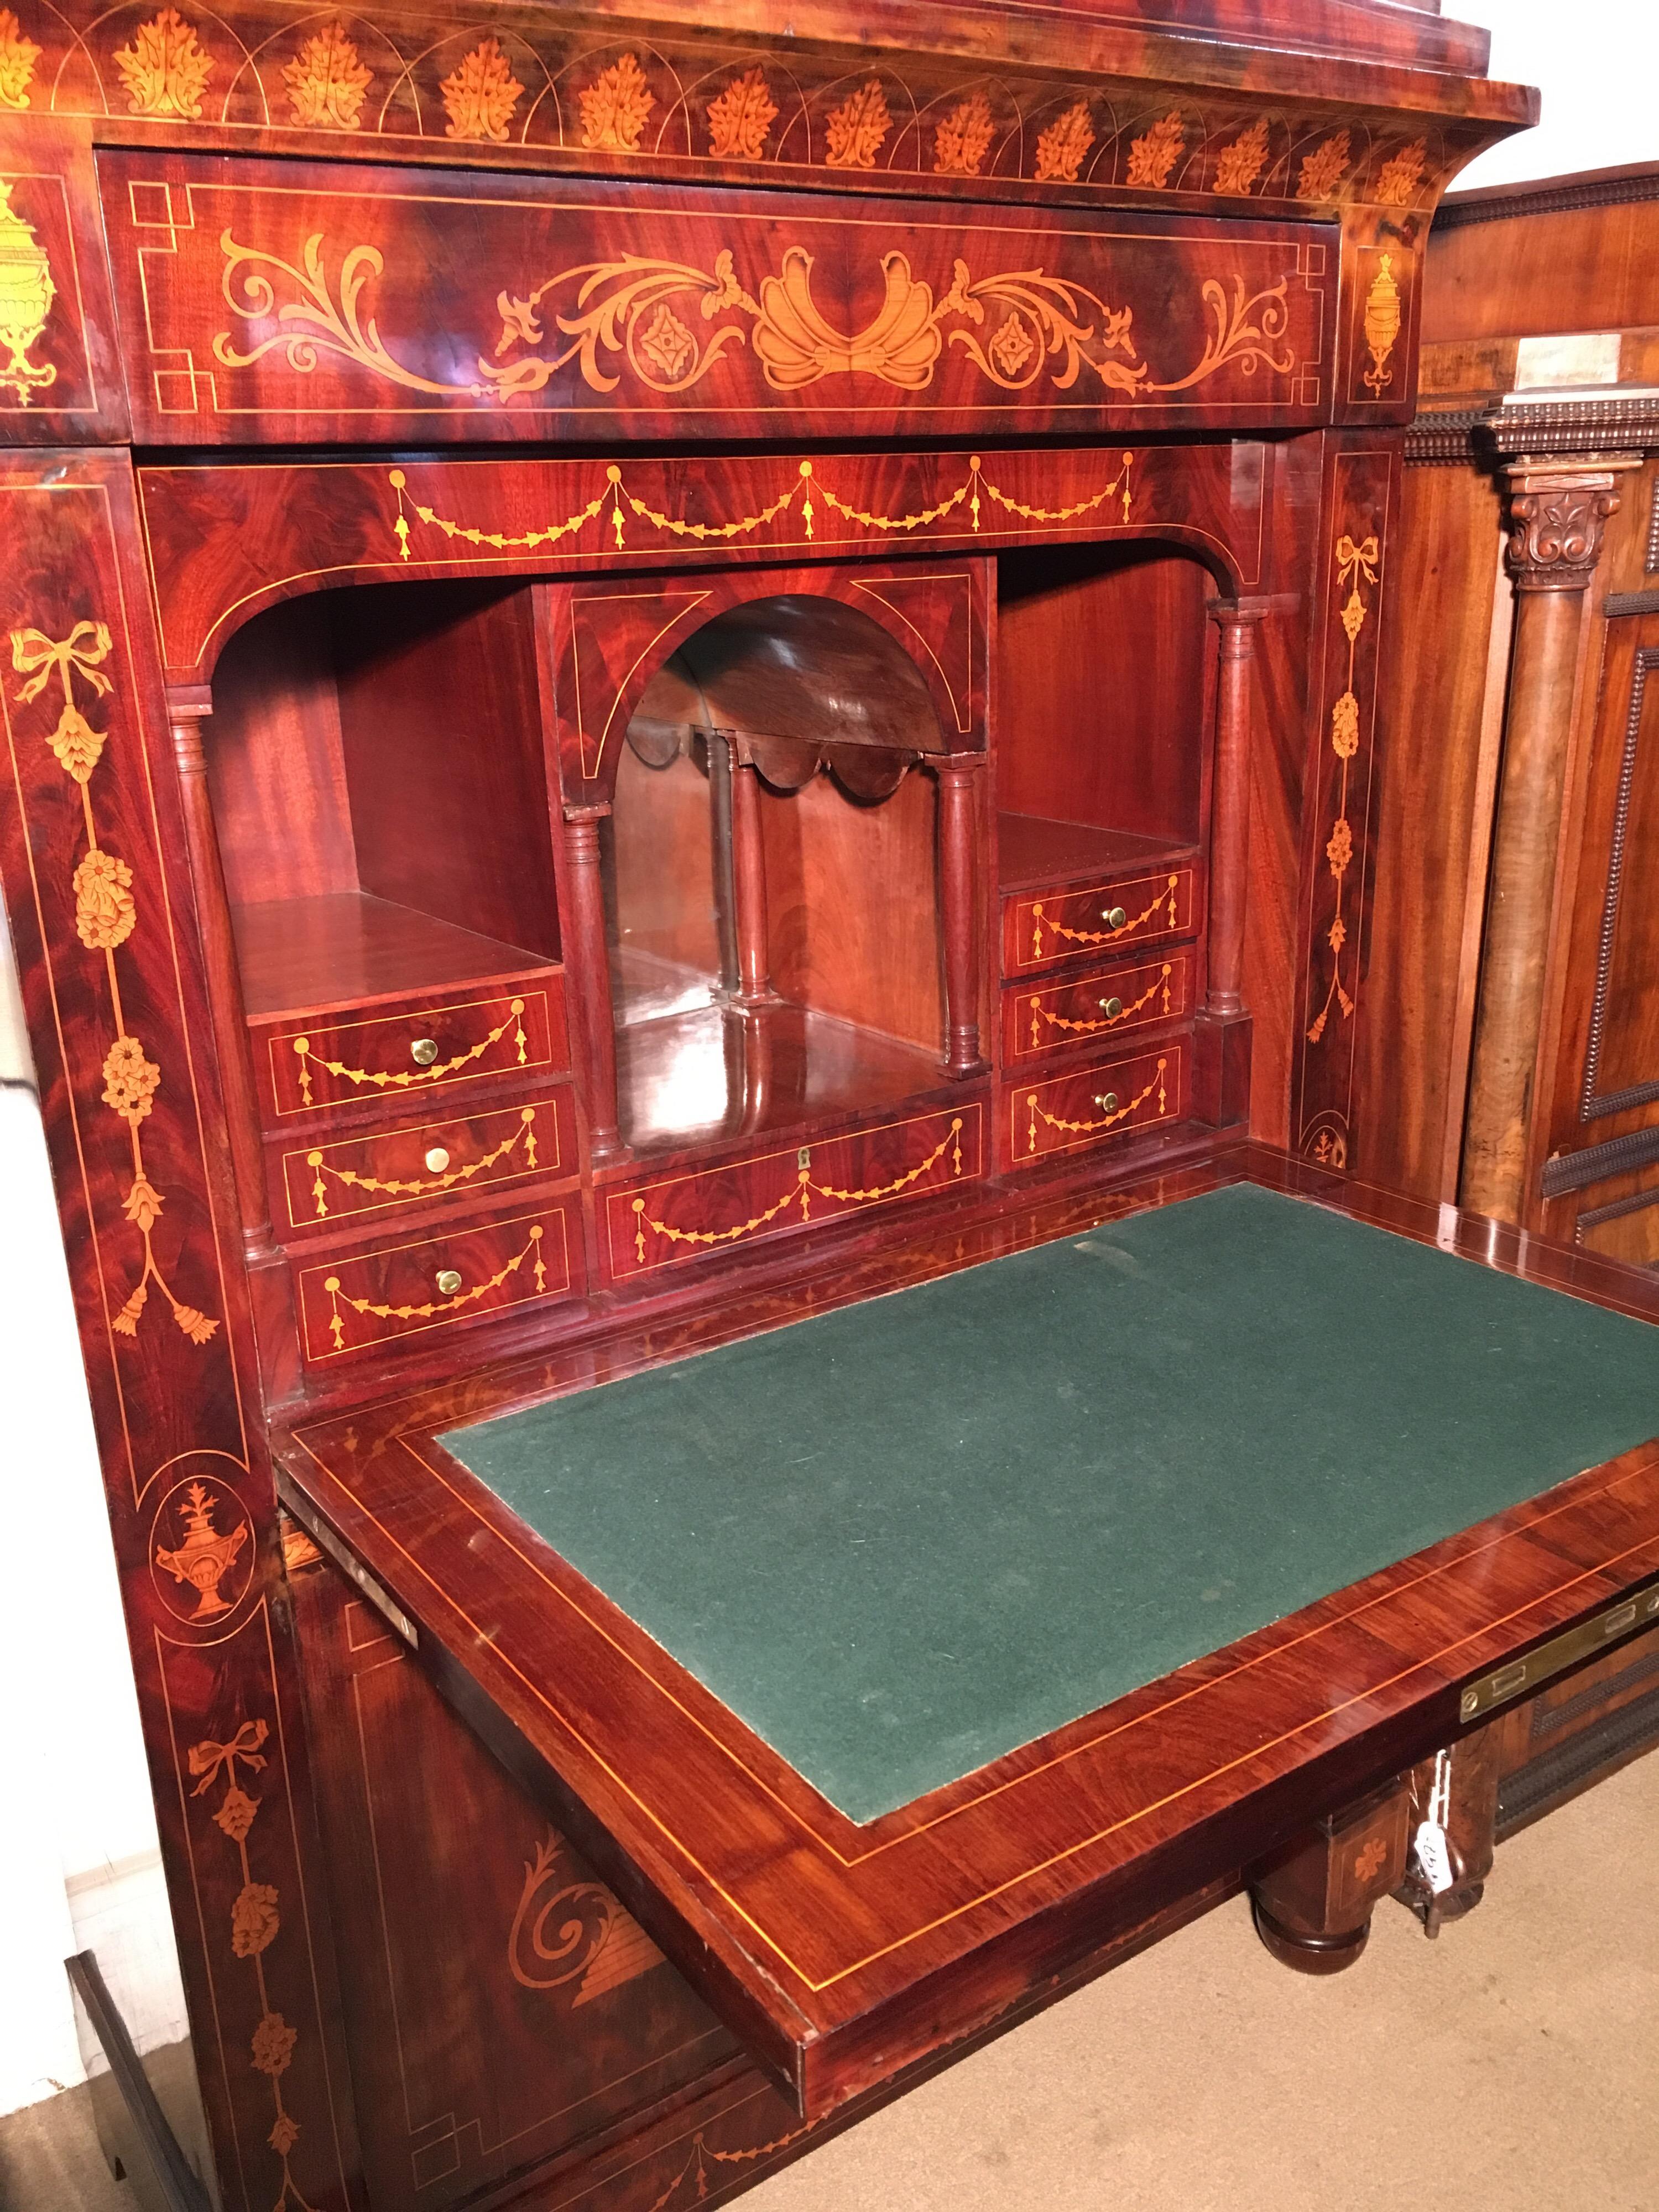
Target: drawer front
[1094,1104]
[659,1224]
[575,310]
[359,1301]
[311,1066]
[1042,929]
[1040,1022]
[322,1185]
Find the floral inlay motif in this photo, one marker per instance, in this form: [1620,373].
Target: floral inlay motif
[1061,147]
[165,68]
[327,81]
[616,106]
[18,56]
[856,129]
[1240,165]
[1012,346]
[1355,564]
[1399,176]
[740,118]
[667,344]
[1323,170]
[105,915]
[255,1921]
[105,918]
[962,138]
[480,94]
[1152,156]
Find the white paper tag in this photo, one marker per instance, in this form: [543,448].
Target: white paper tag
[1433,1857]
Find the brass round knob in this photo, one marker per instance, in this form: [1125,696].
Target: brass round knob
[423,1051]
[1111,1008]
[1113,916]
[1107,1102]
[437,1160]
[449,1281]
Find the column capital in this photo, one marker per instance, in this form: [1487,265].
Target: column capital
[1241,613]
[1558,516]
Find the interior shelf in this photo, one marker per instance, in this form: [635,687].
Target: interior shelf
[300,956]
[1033,850]
[712,1072]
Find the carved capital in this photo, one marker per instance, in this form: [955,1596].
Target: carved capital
[1558,521]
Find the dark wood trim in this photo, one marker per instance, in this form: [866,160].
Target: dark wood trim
[1570,1171]
[1593,188]
[181,2186]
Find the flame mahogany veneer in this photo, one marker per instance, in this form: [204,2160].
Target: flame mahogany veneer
[622,639]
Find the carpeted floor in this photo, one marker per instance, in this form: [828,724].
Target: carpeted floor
[1513,2066]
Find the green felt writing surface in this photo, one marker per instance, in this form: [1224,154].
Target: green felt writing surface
[901,1539]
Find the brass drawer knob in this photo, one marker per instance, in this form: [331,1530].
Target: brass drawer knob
[423,1051]
[1111,1008]
[449,1281]
[436,1160]
[1107,1100]
[1113,916]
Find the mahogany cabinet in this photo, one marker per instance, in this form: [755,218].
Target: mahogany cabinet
[663,675]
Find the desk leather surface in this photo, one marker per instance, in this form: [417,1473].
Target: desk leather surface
[904,1538]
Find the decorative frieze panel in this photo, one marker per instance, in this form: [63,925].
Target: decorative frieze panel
[369,302]
[520,79]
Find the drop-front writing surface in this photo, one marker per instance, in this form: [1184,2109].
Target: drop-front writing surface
[730,656]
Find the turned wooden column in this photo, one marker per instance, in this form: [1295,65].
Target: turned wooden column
[959,775]
[589,963]
[188,710]
[1558,513]
[749,888]
[1229,805]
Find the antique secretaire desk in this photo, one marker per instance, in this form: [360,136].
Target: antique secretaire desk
[693,716]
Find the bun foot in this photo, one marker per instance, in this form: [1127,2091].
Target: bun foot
[1309,1954]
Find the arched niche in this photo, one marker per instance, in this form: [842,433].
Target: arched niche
[608,641]
[779,848]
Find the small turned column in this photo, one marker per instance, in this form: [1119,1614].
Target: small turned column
[1230,803]
[749,888]
[188,710]
[1558,514]
[959,775]
[588,964]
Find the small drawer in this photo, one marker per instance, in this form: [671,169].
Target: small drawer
[323,1061]
[358,1301]
[387,1170]
[682,1217]
[1042,929]
[1045,1018]
[1093,1105]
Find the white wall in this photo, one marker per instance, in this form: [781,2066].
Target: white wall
[79,1867]
[77,1843]
[1596,62]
